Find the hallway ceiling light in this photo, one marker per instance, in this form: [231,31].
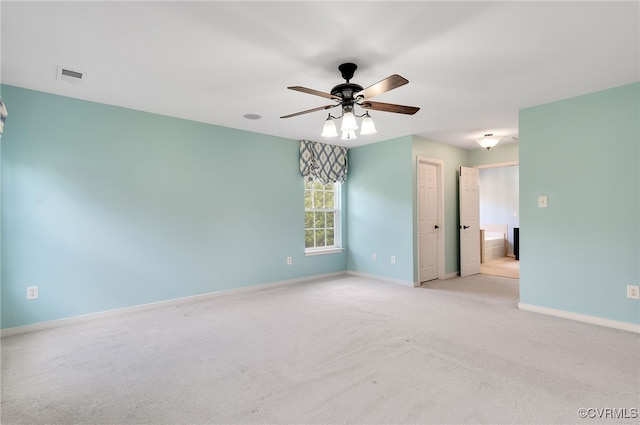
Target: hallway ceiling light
[488,141]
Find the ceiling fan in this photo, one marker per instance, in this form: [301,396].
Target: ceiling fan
[347,95]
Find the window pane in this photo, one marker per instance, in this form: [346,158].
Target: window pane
[308,239]
[308,220]
[320,220]
[318,199]
[328,199]
[329,220]
[330,240]
[307,199]
[320,238]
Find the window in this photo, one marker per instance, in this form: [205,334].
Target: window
[322,217]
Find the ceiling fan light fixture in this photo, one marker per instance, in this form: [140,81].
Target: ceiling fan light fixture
[368,127]
[329,129]
[488,141]
[349,122]
[349,135]
[347,95]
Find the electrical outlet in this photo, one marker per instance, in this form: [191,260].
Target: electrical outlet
[289,261]
[32,292]
[633,291]
[374,257]
[393,259]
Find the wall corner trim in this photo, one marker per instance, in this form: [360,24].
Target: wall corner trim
[593,320]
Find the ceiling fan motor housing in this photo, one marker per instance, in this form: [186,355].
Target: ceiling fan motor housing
[346,91]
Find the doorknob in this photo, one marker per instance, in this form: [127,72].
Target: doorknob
[465,227]
[436,227]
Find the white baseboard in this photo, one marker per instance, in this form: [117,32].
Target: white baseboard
[384,279]
[625,326]
[177,301]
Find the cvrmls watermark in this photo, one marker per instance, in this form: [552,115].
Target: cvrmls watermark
[607,413]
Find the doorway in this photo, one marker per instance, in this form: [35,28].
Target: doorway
[430,218]
[499,213]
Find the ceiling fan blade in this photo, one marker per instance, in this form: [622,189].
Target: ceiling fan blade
[392,82]
[389,107]
[314,92]
[320,108]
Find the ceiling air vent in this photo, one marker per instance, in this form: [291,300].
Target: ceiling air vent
[70,76]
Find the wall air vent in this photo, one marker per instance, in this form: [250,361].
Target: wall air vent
[70,76]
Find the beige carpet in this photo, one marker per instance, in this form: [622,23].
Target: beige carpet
[347,350]
[505,267]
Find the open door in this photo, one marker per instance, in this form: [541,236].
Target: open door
[469,221]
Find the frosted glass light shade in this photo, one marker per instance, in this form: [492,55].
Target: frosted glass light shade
[348,135]
[488,141]
[329,129]
[368,127]
[349,122]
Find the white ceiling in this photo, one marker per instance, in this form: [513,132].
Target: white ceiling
[471,65]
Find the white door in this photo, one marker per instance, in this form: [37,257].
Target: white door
[469,221]
[428,220]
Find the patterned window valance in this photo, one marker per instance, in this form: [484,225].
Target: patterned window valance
[322,162]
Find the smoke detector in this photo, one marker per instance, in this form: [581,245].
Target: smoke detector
[70,76]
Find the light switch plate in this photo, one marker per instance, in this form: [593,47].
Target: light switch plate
[542,201]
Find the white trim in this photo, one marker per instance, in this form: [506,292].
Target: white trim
[143,307]
[318,251]
[384,279]
[498,164]
[441,214]
[593,320]
[446,276]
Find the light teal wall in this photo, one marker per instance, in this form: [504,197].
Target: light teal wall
[105,208]
[579,254]
[380,213]
[453,158]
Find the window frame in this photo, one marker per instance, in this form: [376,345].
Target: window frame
[337,221]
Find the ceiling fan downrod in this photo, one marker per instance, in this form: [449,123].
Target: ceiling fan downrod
[347,70]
